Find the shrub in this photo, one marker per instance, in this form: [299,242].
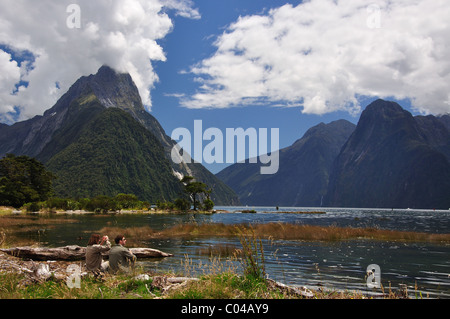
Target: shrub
[182,204]
[165,205]
[102,204]
[126,201]
[61,203]
[208,204]
[32,207]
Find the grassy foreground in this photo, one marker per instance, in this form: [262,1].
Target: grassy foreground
[218,283]
[218,286]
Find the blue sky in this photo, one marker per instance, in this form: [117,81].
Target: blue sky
[232,63]
[192,41]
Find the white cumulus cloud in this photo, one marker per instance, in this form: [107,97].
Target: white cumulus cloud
[323,55]
[68,39]
[9,76]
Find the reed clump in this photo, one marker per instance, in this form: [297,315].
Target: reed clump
[281,231]
[252,259]
[220,250]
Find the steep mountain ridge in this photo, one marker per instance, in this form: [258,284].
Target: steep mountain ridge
[59,127]
[113,154]
[302,178]
[388,162]
[435,133]
[390,159]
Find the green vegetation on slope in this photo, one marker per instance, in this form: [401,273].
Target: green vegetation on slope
[113,154]
[23,179]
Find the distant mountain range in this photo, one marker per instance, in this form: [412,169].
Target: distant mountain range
[99,140]
[302,178]
[389,160]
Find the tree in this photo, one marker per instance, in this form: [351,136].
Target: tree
[127,201]
[182,204]
[194,188]
[208,204]
[23,180]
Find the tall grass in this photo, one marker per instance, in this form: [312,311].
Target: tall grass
[252,253]
[15,286]
[282,231]
[220,250]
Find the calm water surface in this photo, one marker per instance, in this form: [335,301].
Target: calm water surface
[423,267]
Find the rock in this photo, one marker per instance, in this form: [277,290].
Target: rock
[143,277]
[42,272]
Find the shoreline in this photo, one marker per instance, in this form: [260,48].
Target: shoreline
[220,210]
[37,274]
[5,211]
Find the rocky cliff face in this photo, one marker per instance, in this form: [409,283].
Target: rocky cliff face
[302,178]
[435,133]
[392,160]
[445,119]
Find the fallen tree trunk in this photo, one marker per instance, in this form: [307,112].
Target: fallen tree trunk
[71,253]
[149,253]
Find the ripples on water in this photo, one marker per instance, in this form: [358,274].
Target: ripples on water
[423,267]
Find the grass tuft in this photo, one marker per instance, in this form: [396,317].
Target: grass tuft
[281,231]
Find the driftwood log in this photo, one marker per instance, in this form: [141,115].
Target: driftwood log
[71,253]
[299,291]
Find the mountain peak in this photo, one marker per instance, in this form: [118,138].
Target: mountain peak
[388,162]
[114,89]
[90,106]
[106,69]
[382,118]
[106,75]
[385,109]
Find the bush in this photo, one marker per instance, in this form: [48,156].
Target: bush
[32,207]
[208,204]
[165,205]
[182,204]
[62,204]
[99,204]
[102,204]
[127,201]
